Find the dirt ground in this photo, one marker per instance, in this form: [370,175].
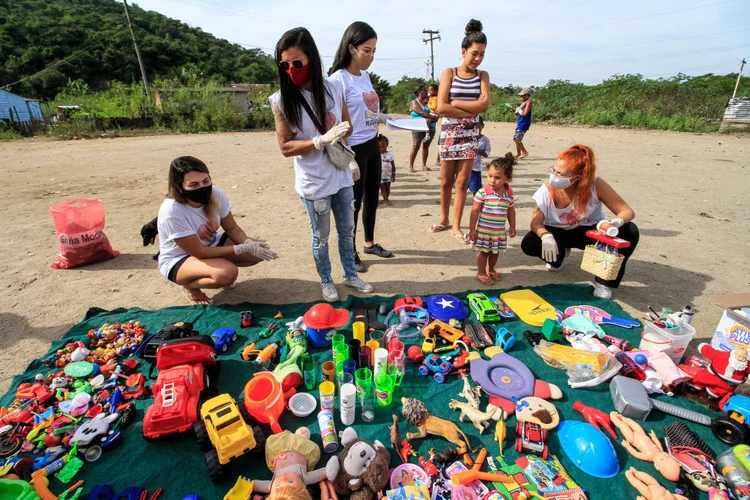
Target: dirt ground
[689,193]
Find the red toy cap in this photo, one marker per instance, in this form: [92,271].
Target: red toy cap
[322,316]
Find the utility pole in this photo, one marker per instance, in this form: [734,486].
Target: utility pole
[137,52]
[737,86]
[432,38]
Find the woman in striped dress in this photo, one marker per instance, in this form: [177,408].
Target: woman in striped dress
[463,94]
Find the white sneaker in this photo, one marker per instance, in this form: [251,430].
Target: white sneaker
[330,294]
[602,291]
[358,284]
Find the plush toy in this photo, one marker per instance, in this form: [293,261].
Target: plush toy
[731,366]
[361,470]
[416,413]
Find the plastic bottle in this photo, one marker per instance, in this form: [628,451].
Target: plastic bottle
[733,471]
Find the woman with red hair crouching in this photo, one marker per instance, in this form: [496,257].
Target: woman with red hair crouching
[571,203]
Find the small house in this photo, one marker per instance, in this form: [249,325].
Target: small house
[737,113]
[15,109]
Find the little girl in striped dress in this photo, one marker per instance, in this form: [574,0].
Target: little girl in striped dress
[493,205]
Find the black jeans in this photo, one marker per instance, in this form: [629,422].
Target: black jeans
[367,188]
[576,238]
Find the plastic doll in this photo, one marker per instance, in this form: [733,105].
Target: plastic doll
[645,447]
[648,487]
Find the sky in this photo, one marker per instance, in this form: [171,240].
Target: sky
[529,42]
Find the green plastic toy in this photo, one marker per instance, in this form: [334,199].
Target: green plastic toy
[552,330]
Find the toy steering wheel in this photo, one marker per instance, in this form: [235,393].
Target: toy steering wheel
[408,318]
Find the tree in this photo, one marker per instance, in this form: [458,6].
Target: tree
[383,88]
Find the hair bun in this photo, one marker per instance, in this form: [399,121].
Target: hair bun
[473,26]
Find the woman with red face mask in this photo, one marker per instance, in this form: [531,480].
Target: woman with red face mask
[353,57]
[310,114]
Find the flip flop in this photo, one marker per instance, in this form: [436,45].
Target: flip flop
[463,238]
[495,276]
[485,280]
[436,228]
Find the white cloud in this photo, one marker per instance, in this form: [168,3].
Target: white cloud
[528,43]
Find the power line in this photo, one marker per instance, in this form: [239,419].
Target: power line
[434,35]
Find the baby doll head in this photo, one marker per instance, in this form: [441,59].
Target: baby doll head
[288,486]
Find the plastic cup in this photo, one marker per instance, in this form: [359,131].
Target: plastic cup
[397,360]
[384,389]
[335,341]
[349,367]
[363,377]
[354,346]
[392,372]
[391,334]
[376,336]
[395,345]
[327,395]
[329,371]
[373,345]
[365,357]
[358,331]
[308,372]
[341,356]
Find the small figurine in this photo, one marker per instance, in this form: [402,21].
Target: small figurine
[648,487]
[479,418]
[645,447]
[501,432]
[731,366]
[396,436]
[416,413]
[472,395]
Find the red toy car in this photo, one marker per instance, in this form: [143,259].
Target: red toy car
[531,438]
[186,370]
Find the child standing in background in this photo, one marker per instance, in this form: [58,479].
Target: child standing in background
[389,170]
[483,151]
[432,92]
[493,205]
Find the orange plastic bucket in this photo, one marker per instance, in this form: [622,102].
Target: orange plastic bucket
[264,399]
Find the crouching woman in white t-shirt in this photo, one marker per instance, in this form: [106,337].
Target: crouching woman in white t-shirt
[192,253]
[571,203]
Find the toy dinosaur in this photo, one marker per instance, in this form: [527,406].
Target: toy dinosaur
[472,395]
[416,413]
[396,436]
[501,432]
[477,417]
[406,451]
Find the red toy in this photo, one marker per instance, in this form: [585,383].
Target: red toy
[415,354]
[531,438]
[184,373]
[730,366]
[246,319]
[428,467]
[595,417]
[408,301]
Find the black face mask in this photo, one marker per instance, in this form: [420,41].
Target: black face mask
[200,195]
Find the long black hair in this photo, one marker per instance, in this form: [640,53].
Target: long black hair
[291,97]
[356,34]
[474,34]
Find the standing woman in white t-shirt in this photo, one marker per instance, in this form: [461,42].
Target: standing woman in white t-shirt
[305,103]
[354,55]
[192,253]
[570,203]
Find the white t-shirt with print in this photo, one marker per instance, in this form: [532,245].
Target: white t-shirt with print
[386,160]
[363,104]
[315,177]
[484,144]
[178,221]
[568,217]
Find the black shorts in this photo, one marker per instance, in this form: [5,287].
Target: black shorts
[172,275]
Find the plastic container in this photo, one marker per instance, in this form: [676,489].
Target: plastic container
[328,431]
[264,399]
[327,395]
[672,341]
[302,404]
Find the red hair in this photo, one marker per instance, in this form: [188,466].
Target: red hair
[581,160]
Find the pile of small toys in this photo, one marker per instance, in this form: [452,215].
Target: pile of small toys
[347,366]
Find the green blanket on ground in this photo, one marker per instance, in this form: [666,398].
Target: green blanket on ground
[176,464]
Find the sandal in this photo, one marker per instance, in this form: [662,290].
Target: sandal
[485,280]
[463,238]
[495,276]
[437,227]
[425,168]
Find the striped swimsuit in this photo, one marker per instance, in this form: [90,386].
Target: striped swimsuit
[491,236]
[459,137]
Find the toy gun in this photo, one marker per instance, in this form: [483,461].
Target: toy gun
[261,356]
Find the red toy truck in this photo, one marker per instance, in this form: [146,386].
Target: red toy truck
[187,368]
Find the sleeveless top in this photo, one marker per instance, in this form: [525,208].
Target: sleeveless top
[465,89]
[524,122]
[424,108]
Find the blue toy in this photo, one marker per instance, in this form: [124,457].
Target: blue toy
[504,339]
[223,338]
[588,448]
[446,307]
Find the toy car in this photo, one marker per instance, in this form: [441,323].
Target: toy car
[435,364]
[483,308]
[732,428]
[178,330]
[443,330]
[477,335]
[223,338]
[504,310]
[531,438]
[504,339]
[246,319]
[224,434]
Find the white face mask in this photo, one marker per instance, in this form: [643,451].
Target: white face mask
[558,182]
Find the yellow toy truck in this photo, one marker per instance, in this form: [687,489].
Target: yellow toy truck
[224,433]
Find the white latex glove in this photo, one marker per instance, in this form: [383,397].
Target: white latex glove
[355,170]
[259,249]
[382,117]
[549,247]
[337,132]
[617,222]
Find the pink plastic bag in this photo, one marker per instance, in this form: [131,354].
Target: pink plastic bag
[80,230]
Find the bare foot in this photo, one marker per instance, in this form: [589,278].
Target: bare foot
[426,168]
[389,203]
[411,169]
[196,296]
[524,155]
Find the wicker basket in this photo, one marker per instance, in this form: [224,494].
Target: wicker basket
[600,263]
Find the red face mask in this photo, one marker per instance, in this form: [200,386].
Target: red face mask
[299,76]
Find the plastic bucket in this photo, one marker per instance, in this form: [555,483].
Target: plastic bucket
[264,399]
[672,341]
